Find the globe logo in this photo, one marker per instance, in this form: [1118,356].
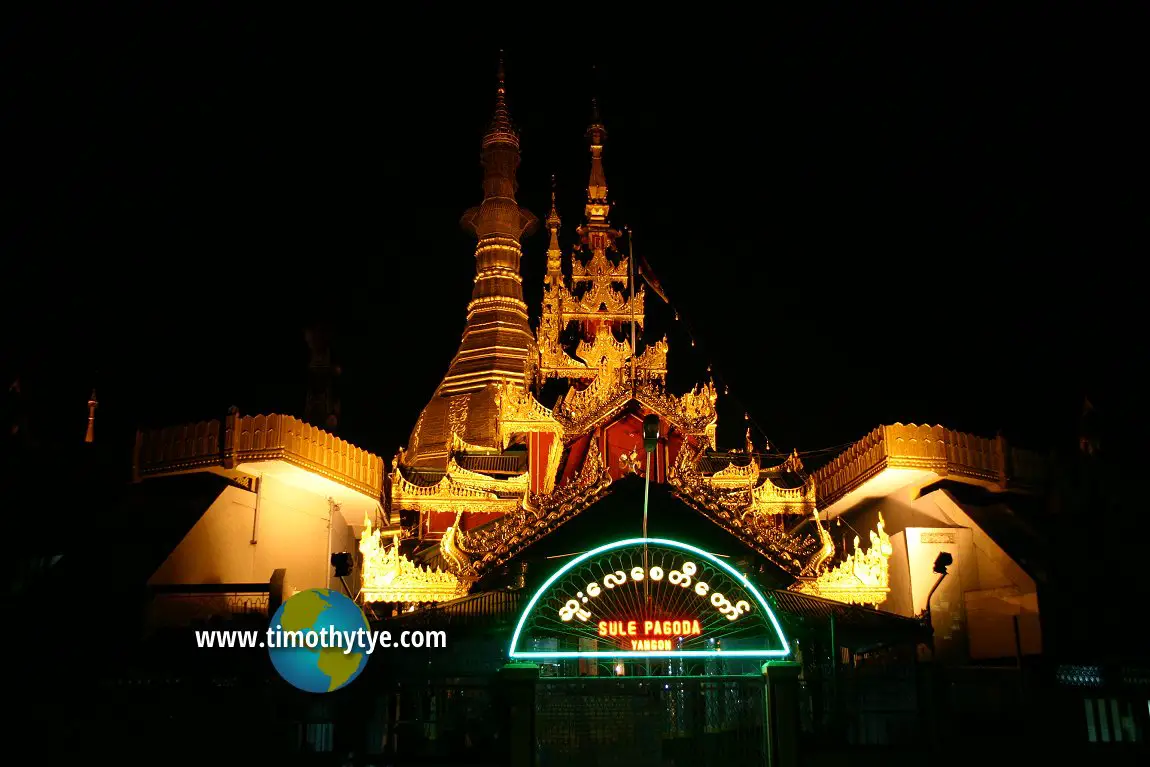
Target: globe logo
[319,640]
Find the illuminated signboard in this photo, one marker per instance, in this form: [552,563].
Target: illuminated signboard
[647,597]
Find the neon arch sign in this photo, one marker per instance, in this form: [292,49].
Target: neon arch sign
[650,598]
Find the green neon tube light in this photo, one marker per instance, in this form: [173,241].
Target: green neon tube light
[622,655]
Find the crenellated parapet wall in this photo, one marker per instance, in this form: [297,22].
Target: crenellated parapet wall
[929,448]
[237,439]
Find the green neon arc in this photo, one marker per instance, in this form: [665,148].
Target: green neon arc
[739,578]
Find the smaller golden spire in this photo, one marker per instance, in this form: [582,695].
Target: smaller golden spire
[553,218]
[597,187]
[92,403]
[554,255]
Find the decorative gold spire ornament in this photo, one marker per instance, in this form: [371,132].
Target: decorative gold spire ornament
[92,403]
[862,578]
[388,576]
[595,300]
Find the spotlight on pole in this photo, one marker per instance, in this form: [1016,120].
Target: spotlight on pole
[650,432]
[342,562]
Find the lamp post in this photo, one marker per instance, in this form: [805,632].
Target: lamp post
[941,562]
[650,444]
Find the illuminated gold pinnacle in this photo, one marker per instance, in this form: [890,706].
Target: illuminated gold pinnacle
[497,338]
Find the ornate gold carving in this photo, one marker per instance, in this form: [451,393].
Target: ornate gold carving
[603,301]
[652,363]
[580,409]
[600,269]
[554,361]
[862,578]
[769,498]
[793,462]
[388,576]
[516,485]
[631,463]
[446,495]
[732,509]
[457,414]
[540,514]
[551,472]
[605,351]
[459,445]
[693,413]
[520,413]
[825,552]
[457,560]
[733,476]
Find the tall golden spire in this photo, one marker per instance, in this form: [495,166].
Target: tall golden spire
[497,345]
[497,337]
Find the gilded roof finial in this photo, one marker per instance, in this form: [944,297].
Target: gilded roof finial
[501,129]
[554,256]
[597,186]
[553,217]
[92,403]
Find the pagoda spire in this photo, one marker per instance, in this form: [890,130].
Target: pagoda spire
[497,338]
[501,128]
[554,255]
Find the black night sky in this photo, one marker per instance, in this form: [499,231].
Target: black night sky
[859,223]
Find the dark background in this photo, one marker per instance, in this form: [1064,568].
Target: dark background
[859,220]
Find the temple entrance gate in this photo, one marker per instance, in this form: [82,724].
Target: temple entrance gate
[654,652]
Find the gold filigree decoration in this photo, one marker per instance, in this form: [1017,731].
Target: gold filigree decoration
[731,509]
[652,363]
[692,413]
[388,576]
[793,462]
[457,414]
[605,351]
[445,495]
[769,498]
[579,409]
[457,560]
[520,413]
[862,578]
[825,552]
[630,462]
[602,301]
[600,268]
[554,457]
[459,445]
[510,486]
[733,476]
[492,545]
[554,361]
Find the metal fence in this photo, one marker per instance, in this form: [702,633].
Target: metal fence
[658,721]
